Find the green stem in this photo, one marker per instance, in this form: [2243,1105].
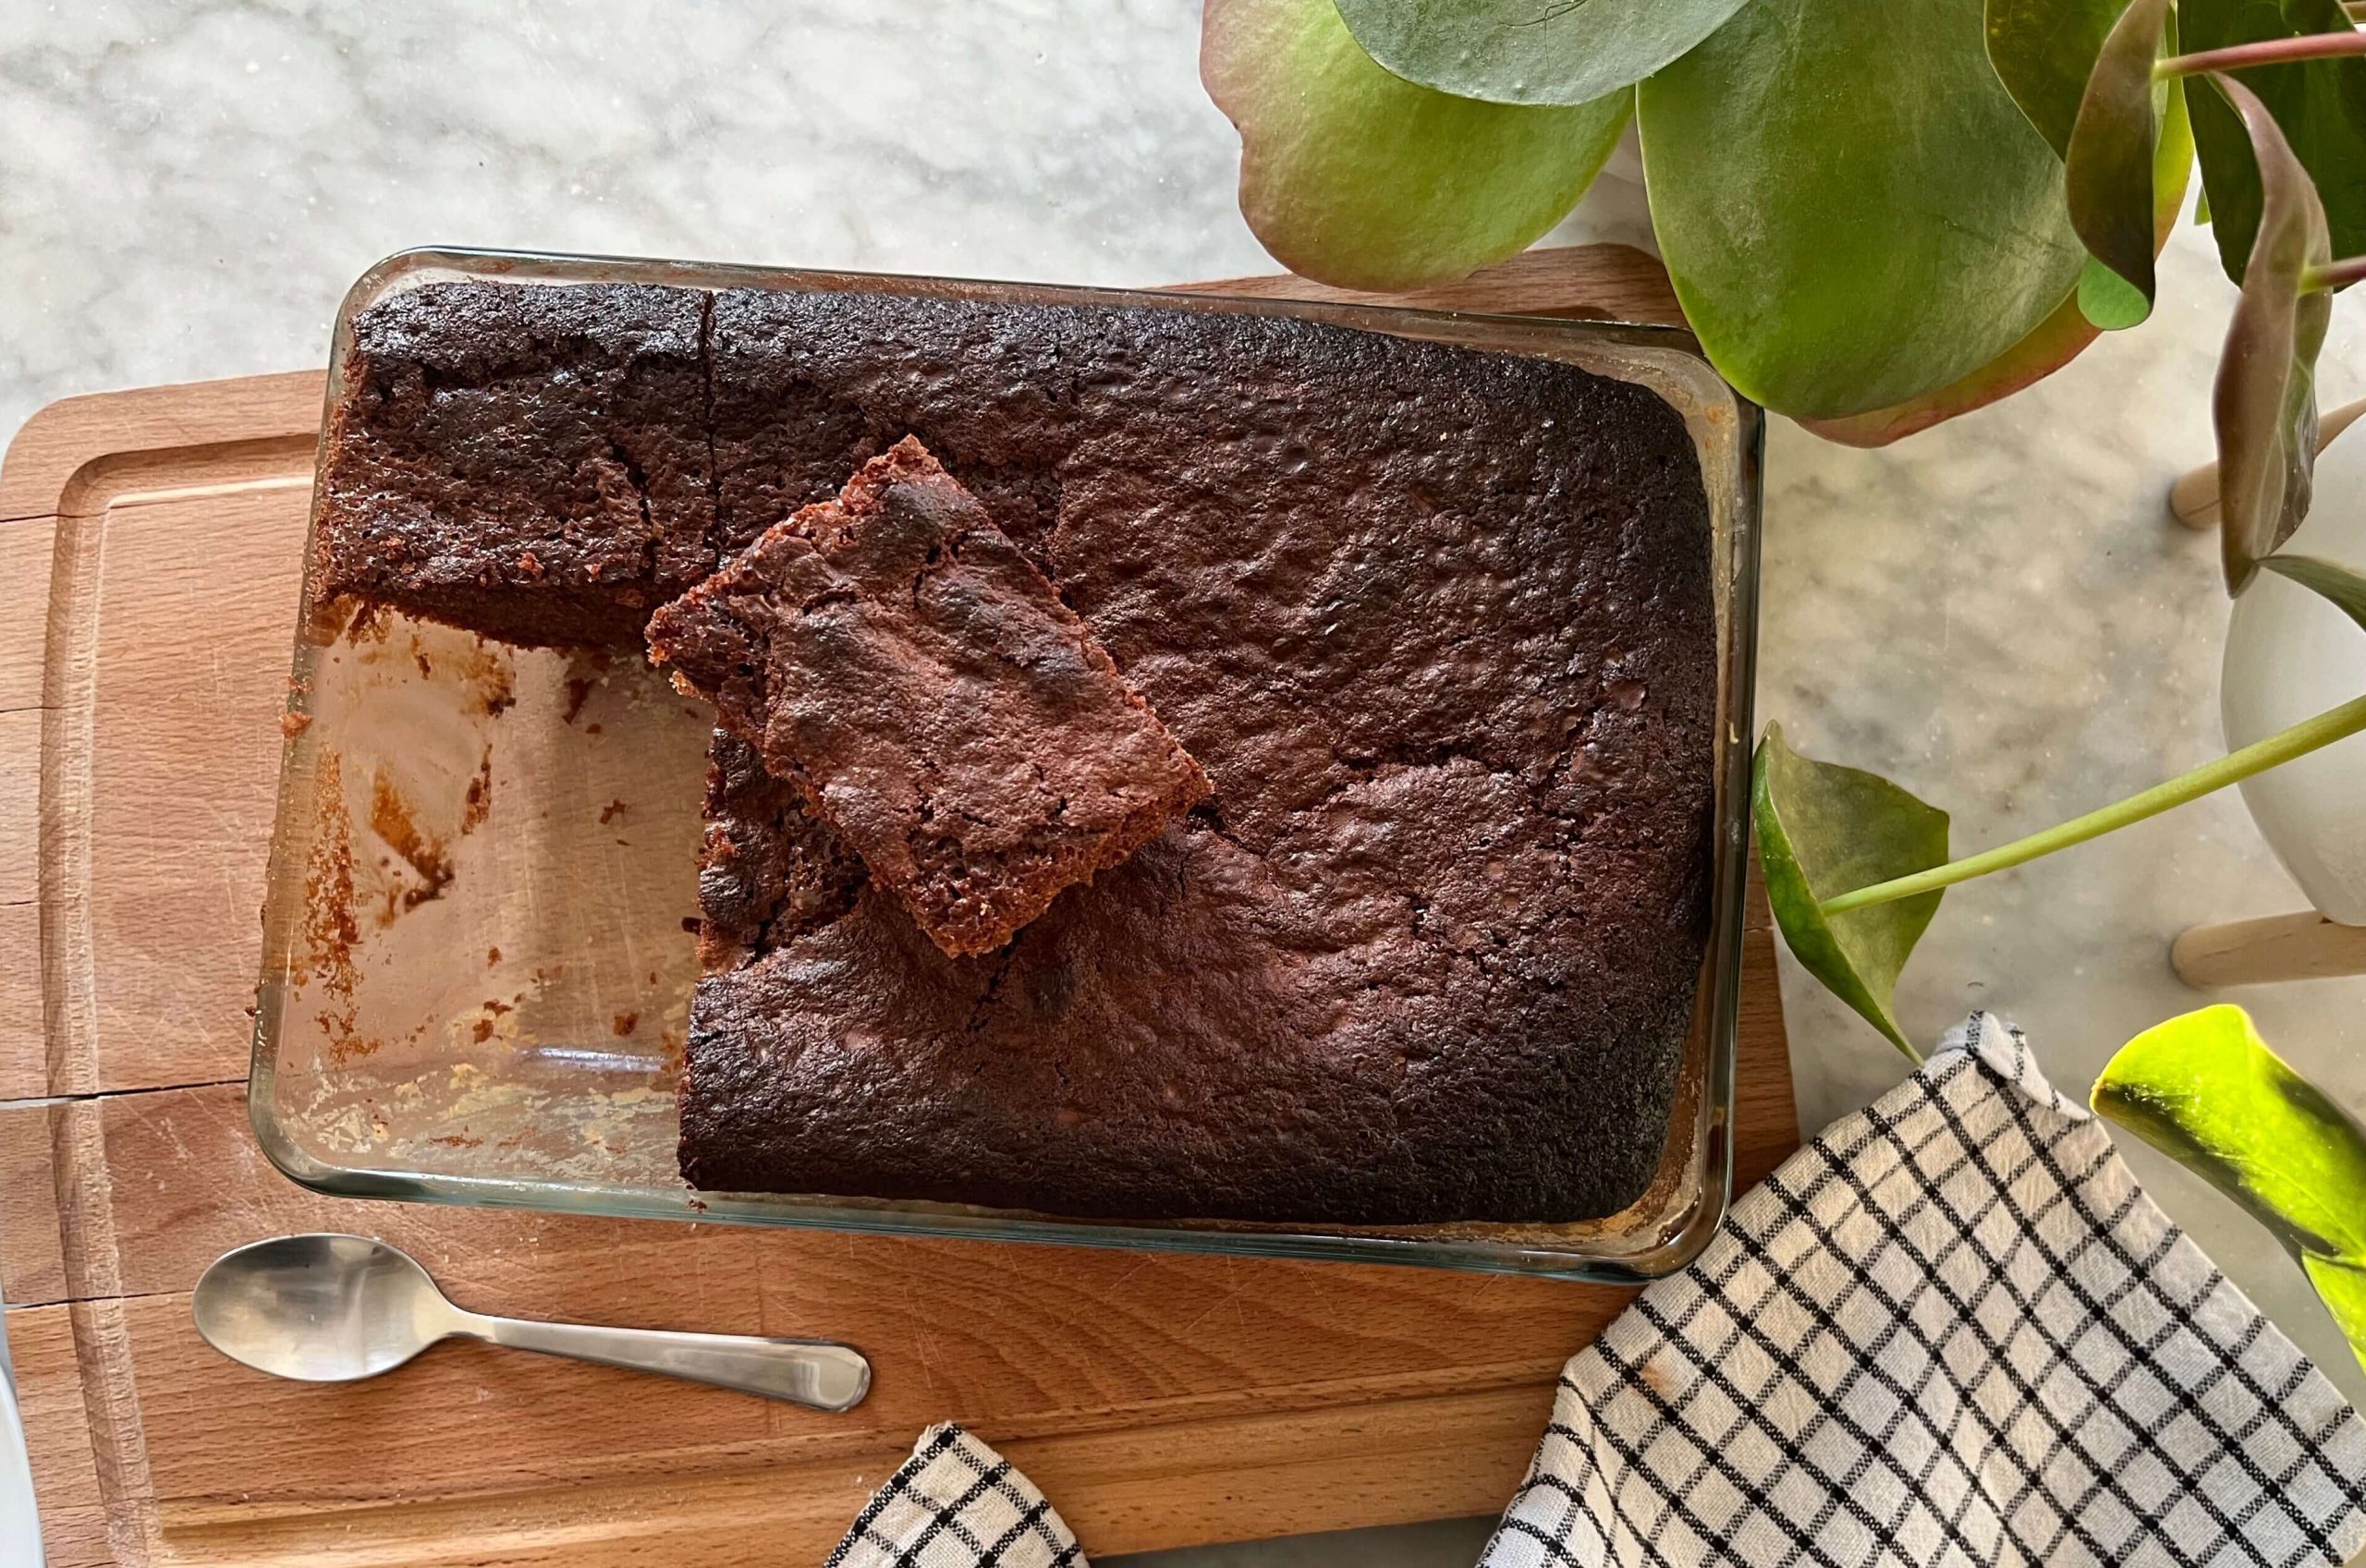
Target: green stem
[2265,52]
[2335,724]
[2334,275]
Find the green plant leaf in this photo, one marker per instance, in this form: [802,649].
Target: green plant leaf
[2320,103]
[1840,251]
[2109,302]
[2044,52]
[1356,178]
[2053,343]
[2108,171]
[2341,1286]
[2265,405]
[2345,586]
[1822,829]
[2207,1090]
[2050,345]
[1531,51]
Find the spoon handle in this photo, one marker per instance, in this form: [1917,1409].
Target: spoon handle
[810,1372]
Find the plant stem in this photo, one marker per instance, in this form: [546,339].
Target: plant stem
[2265,52]
[2334,275]
[2335,724]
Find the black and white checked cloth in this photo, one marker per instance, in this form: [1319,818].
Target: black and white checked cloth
[957,1503]
[1951,1331]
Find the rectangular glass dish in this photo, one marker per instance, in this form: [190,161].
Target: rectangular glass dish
[472,996]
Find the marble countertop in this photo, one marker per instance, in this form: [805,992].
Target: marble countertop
[1997,614]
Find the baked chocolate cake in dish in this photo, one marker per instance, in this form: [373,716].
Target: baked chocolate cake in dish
[529,463]
[894,654]
[1437,624]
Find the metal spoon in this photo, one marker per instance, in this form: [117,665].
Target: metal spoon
[334,1309]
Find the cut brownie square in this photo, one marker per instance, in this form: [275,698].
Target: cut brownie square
[895,655]
[532,463]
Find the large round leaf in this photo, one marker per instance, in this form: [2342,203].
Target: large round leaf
[1357,178]
[1853,212]
[1531,51]
[2054,342]
[2042,51]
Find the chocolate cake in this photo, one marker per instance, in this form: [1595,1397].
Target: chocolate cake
[892,653]
[1436,622]
[529,463]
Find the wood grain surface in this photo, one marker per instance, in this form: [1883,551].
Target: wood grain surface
[151,546]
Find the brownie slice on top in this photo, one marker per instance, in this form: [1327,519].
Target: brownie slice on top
[895,655]
[528,462]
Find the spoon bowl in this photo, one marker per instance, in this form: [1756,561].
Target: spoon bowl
[330,1309]
[321,1308]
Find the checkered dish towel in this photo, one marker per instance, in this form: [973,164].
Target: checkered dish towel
[1950,1330]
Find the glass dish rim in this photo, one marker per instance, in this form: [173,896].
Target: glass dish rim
[1683,1231]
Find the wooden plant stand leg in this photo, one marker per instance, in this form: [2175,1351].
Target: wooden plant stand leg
[2193,500]
[2305,947]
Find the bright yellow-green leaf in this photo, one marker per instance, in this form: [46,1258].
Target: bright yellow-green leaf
[2206,1090]
[2341,1286]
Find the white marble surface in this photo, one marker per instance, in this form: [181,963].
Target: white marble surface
[1996,613]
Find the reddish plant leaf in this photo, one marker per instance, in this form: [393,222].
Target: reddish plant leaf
[2111,165]
[2264,406]
[1362,179]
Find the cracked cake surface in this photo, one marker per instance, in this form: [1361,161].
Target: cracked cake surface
[532,463]
[1438,625]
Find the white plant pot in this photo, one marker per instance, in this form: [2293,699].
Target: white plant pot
[2291,654]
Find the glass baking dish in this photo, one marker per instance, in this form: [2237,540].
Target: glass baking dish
[476,968]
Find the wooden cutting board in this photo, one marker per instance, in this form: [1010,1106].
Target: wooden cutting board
[148,549]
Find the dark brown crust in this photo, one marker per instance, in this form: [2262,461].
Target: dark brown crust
[892,653]
[769,871]
[528,462]
[1437,625]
